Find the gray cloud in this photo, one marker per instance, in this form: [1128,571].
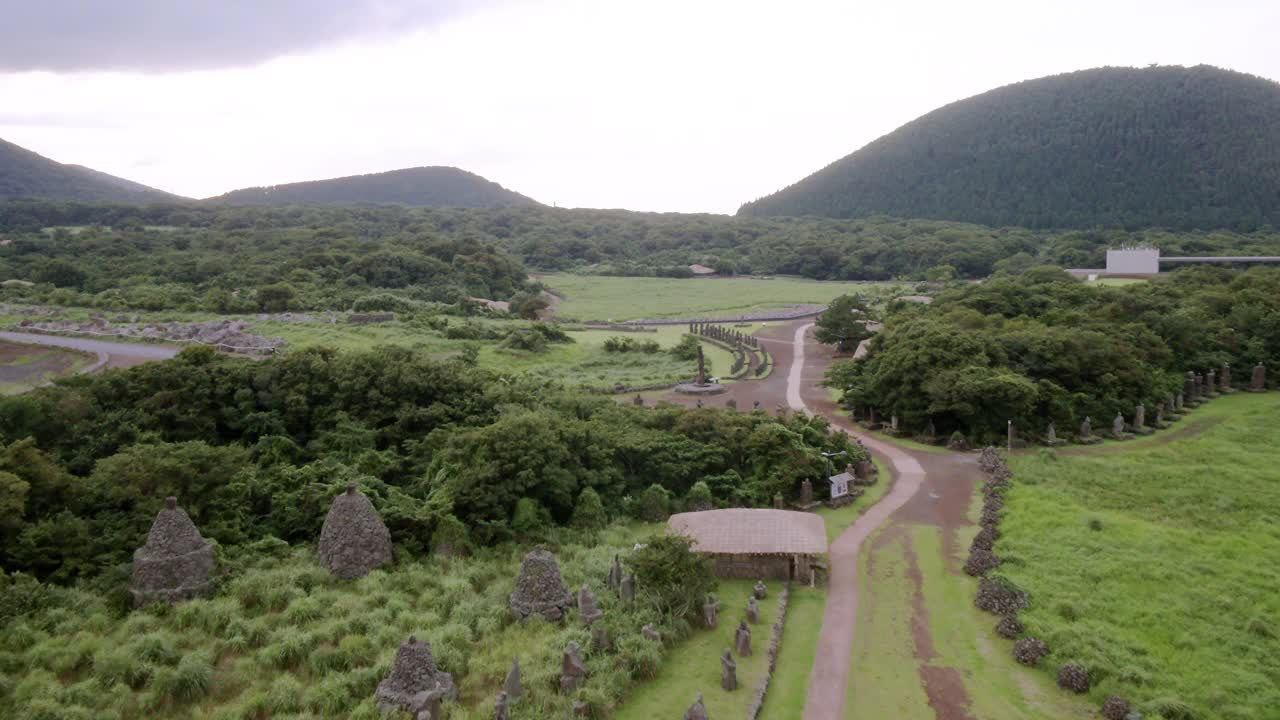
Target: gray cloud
[170,35]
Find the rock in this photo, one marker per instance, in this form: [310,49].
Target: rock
[696,711]
[728,671]
[353,540]
[501,709]
[742,639]
[651,633]
[540,590]
[572,670]
[588,610]
[1115,708]
[1029,651]
[760,590]
[175,562]
[1074,678]
[628,589]
[415,684]
[753,611]
[511,686]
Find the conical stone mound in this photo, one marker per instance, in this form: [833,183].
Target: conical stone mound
[353,540]
[414,683]
[540,590]
[175,563]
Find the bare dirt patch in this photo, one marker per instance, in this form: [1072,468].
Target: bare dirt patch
[26,366]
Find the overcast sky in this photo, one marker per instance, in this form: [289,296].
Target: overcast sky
[666,105]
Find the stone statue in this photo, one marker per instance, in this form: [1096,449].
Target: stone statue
[1189,386]
[353,540]
[728,671]
[1012,435]
[1169,406]
[702,369]
[1086,428]
[651,633]
[415,683]
[893,423]
[1177,404]
[628,588]
[638,401]
[511,686]
[601,641]
[710,610]
[175,562]
[1117,425]
[614,579]
[501,711]
[1139,416]
[760,591]
[755,405]
[540,589]
[1224,378]
[588,610]
[1258,383]
[699,403]
[742,639]
[1051,434]
[806,493]
[572,670]
[753,610]
[1160,415]
[1211,384]
[696,711]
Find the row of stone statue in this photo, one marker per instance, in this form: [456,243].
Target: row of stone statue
[723,334]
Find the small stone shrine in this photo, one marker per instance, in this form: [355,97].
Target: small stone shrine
[175,562]
[742,639]
[1258,383]
[806,501]
[696,711]
[1224,379]
[753,610]
[588,609]
[353,540]
[512,686]
[540,590]
[1211,384]
[760,591]
[415,684]
[728,671]
[572,670]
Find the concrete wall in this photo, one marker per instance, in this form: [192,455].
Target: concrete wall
[1144,261]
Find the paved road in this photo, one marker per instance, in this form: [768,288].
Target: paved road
[119,354]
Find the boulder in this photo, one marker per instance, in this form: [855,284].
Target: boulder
[353,540]
[415,684]
[540,590]
[175,562]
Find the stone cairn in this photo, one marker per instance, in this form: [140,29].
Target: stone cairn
[415,684]
[539,588]
[710,612]
[512,685]
[1115,708]
[1029,651]
[572,670]
[588,609]
[175,562]
[1258,383]
[760,591]
[353,540]
[753,610]
[742,639]
[728,671]
[696,711]
[1074,678]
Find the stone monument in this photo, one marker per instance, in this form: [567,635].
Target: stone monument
[588,609]
[1117,429]
[512,686]
[614,579]
[572,670]
[1086,436]
[540,590]
[1051,436]
[728,671]
[651,633]
[501,707]
[1189,390]
[753,610]
[353,540]
[1211,384]
[760,591]
[628,589]
[1160,424]
[1178,403]
[866,473]
[701,385]
[1224,379]
[638,401]
[696,711]
[1140,420]
[415,684]
[710,612]
[175,562]
[742,639]
[778,502]
[1258,383]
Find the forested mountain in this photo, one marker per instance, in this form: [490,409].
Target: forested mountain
[1174,147]
[420,186]
[24,174]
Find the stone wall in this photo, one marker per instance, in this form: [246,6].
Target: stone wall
[753,567]
[775,641]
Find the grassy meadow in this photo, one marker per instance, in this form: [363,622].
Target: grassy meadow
[1153,563]
[591,297]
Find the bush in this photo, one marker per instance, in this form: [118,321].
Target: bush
[589,513]
[698,497]
[187,682]
[530,521]
[654,504]
[672,577]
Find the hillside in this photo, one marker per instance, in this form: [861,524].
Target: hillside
[421,186]
[24,174]
[1171,146]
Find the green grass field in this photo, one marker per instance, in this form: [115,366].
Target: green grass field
[1155,564]
[588,297]
[693,666]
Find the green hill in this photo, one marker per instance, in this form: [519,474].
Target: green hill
[1170,146]
[24,174]
[420,186]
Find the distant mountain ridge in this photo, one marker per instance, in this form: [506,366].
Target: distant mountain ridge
[435,186]
[1171,146]
[25,174]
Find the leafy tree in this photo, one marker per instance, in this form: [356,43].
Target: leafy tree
[527,305]
[699,497]
[589,513]
[654,504]
[844,323]
[672,578]
[275,298]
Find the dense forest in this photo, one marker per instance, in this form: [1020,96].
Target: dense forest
[24,174]
[1172,146]
[1042,346]
[257,449]
[420,186]
[219,259]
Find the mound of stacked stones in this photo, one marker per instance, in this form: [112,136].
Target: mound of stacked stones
[980,562]
[1029,651]
[175,562]
[540,590]
[998,598]
[1074,678]
[1115,708]
[981,557]
[415,684]
[1009,627]
[353,540]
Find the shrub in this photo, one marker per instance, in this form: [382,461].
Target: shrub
[155,647]
[654,504]
[1095,524]
[118,665]
[699,497]
[187,682]
[530,520]
[671,576]
[589,513]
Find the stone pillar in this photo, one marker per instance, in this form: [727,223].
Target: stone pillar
[1224,378]
[1258,383]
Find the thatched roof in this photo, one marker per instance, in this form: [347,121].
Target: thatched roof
[701,270]
[742,531]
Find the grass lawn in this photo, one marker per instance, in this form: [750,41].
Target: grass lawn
[1153,563]
[591,297]
[790,683]
[693,666]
